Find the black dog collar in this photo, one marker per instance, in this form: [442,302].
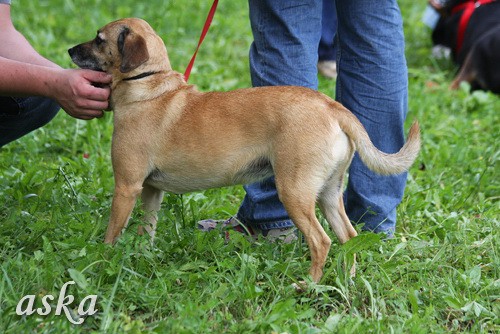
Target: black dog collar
[140,76]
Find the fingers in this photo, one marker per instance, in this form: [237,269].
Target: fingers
[86,108]
[90,109]
[79,97]
[98,94]
[95,104]
[98,77]
[97,98]
[102,90]
[90,104]
[88,114]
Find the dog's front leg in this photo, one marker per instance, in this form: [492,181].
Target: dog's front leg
[151,201]
[124,199]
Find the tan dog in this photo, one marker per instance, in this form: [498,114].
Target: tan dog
[168,136]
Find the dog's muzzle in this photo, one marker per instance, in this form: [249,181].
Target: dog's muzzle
[83,58]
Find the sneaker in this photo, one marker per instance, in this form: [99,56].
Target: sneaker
[286,235]
[328,68]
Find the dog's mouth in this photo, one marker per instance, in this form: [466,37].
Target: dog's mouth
[89,66]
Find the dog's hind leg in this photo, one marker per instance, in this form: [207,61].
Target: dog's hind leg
[151,201]
[303,216]
[332,206]
[300,205]
[331,203]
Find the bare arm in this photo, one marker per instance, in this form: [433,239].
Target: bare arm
[25,72]
[14,44]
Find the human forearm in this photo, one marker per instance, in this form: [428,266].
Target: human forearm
[72,89]
[23,79]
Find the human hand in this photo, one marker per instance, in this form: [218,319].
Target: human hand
[77,94]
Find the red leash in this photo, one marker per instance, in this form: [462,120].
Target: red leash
[202,37]
[468,9]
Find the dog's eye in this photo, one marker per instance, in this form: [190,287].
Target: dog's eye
[98,40]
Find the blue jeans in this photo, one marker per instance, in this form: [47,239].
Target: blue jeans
[21,115]
[327,49]
[372,82]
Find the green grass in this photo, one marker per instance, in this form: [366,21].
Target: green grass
[440,274]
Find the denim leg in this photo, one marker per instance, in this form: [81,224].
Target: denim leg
[372,82]
[19,116]
[284,52]
[327,49]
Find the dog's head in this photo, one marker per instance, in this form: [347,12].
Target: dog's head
[121,47]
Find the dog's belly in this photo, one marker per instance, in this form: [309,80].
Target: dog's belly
[180,183]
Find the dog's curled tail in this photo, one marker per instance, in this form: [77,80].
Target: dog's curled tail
[376,160]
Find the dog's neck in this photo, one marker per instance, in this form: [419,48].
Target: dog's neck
[124,90]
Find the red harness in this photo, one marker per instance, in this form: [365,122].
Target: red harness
[468,7]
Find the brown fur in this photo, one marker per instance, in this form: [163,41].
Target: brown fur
[168,136]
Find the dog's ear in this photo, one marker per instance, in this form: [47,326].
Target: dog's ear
[133,49]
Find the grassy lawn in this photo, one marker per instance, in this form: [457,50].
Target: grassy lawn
[440,274]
